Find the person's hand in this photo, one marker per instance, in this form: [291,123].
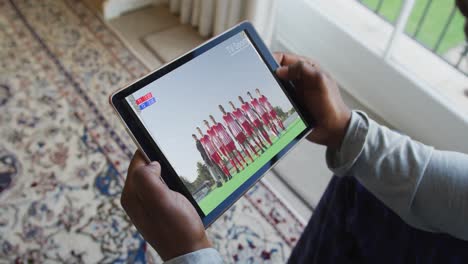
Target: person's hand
[166,219]
[319,94]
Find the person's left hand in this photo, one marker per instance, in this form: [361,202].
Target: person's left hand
[166,219]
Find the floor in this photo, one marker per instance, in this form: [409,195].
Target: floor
[157,37]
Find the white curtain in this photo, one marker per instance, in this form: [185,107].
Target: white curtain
[215,16]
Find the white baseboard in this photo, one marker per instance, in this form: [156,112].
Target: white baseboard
[115,8]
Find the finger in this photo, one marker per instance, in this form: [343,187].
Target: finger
[291,72]
[132,206]
[299,71]
[285,59]
[278,57]
[138,160]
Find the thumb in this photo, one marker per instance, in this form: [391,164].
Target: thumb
[154,167]
[148,184]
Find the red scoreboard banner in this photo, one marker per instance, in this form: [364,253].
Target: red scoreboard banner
[145,101]
[144,98]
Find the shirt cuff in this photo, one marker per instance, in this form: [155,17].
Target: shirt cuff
[206,255]
[340,161]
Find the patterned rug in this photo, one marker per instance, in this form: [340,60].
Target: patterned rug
[63,153]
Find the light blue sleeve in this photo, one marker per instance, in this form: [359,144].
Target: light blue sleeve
[427,188]
[205,256]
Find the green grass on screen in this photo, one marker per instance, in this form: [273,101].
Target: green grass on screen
[215,197]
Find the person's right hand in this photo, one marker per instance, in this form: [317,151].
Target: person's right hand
[320,95]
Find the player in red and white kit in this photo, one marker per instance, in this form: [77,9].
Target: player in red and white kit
[247,125]
[271,111]
[263,114]
[238,133]
[215,171]
[210,149]
[229,145]
[216,140]
[255,118]
[218,143]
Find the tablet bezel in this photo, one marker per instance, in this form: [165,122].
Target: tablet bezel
[146,144]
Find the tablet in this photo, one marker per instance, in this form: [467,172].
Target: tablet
[216,118]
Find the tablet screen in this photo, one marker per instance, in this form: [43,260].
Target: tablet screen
[218,119]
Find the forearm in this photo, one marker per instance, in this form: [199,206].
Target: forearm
[442,197]
[404,173]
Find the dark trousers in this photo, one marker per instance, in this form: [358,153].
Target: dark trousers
[350,225]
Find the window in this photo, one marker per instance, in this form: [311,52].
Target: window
[382,53]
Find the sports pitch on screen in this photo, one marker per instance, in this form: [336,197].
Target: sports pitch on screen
[218,119]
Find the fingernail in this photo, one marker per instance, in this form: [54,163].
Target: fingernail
[281,71]
[155,165]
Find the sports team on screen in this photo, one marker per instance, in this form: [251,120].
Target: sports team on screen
[248,125]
